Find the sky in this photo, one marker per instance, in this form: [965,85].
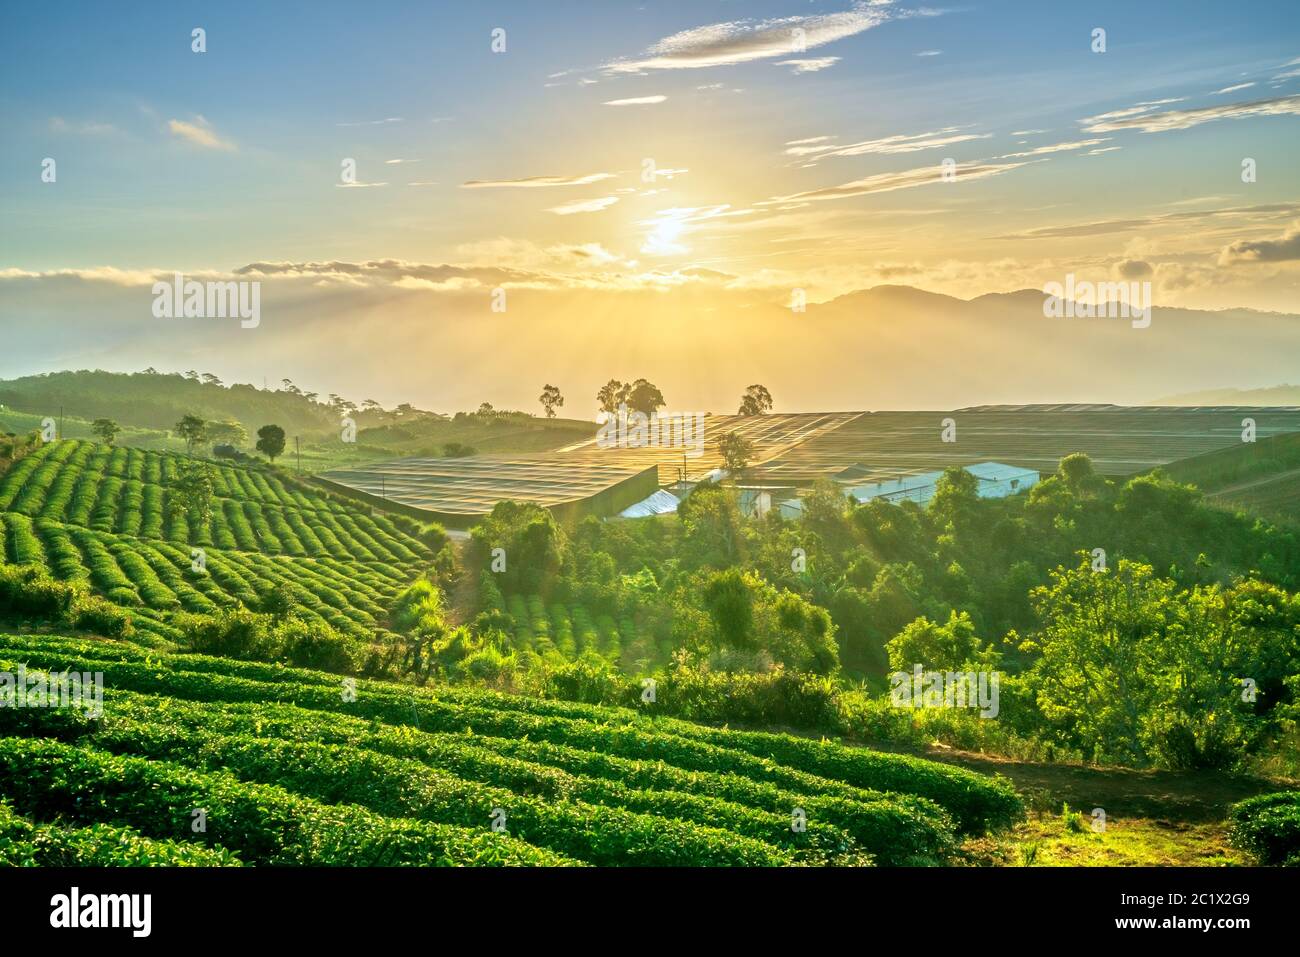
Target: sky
[608,165]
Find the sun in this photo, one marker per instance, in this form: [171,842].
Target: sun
[662,239]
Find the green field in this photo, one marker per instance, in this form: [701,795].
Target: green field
[1262,477]
[290,771]
[292,766]
[98,515]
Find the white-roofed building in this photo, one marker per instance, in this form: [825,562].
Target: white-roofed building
[996,480]
[660,503]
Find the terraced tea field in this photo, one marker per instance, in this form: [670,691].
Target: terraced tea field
[290,769]
[126,491]
[572,630]
[96,514]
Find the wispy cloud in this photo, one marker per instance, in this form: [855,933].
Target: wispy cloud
[743,41]
[1289,74]
[1262,211]
[888,182]
[1185,119]
[810,65]
[888,145]
[929,53]
[389,119]
[200,133]
[1057,148]
[1234,88]
[637,100]
[535,182]
[85,128]
[394,162]
[584,206]
[358,185]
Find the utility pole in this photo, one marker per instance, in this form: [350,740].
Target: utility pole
[298,451]
[383,487]
[60,435]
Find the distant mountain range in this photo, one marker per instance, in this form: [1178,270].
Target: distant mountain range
[1273,395]
[887,347]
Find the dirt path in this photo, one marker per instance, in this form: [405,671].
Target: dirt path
[1188,797]
[1256,482]
[464,597]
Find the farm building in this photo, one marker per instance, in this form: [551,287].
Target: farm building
[661,502]
[995,481]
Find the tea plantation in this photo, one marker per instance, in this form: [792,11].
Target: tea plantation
[98,515]
[203,761]
[289,766]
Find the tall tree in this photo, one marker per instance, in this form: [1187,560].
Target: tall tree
[227,433]
[736,452]
[270,441]
[755,401]
[193,430]
[609,396]
[642,396]
[550,399]
[106,429]
[191,493]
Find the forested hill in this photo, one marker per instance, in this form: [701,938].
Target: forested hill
[159,400]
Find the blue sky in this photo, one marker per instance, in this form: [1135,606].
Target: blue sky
[774,168]
[279,79]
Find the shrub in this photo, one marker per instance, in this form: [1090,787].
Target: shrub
[229,634]
[29,590]
[313,646]
[1268,826]
[89,613]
